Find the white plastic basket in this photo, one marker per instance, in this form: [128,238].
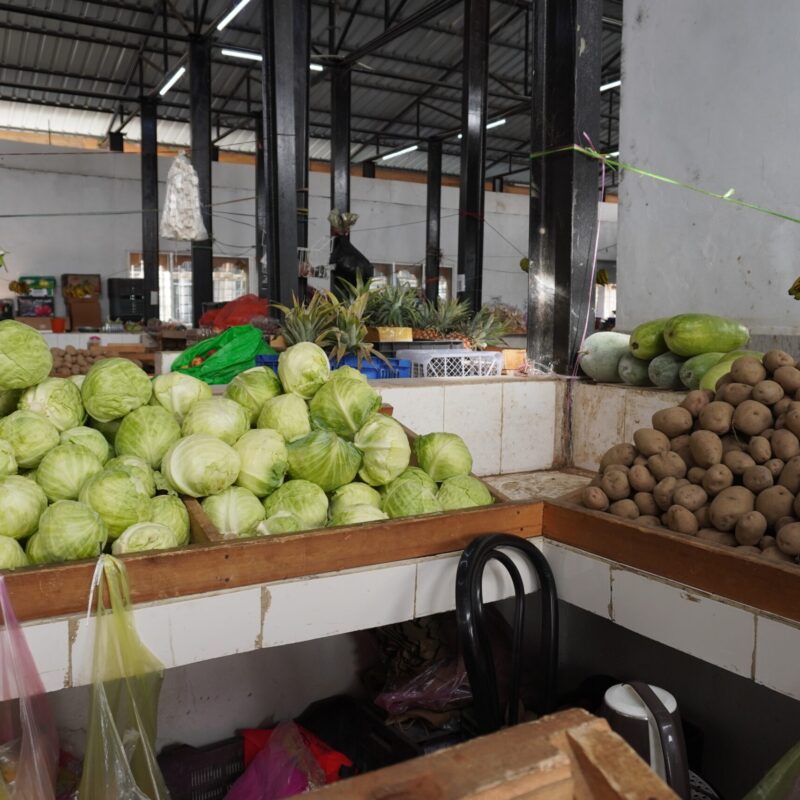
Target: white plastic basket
[453,363]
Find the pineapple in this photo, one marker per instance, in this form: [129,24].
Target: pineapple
[439,320]
[392,306]
[484,330]
[347,334]
[307,322]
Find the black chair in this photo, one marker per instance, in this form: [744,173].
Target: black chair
[474,634]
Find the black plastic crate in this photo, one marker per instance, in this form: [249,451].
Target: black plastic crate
[202,773]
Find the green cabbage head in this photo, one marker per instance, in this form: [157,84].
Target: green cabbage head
[143,537]
[355,515]
[347,373]
[343,406]
[218,417]
[385,450]
[264,461]
[89,438]
[177,393]
[25,358]
[324,458]
[22,502]
[288,415]
[138,469]
[303,500]
[12,556]
[30,435]
[252,388]
[411,495]
[65,469]
[8,461]
[113,388]
[200,465]
[56,399]
[463,491]
[119,499]
[108,429]
[443,455]
[69,530]
[279,522]
[303,368]
[235,512]
[169,510]
[354,494]
[9,400]
[34,552]
[147,433]
[77,380]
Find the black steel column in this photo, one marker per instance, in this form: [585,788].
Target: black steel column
[434,215]
[564,188]
[200,110]
[261,212]
[270,278]
[302,39]
[340,138]
[149,157]
[473,150]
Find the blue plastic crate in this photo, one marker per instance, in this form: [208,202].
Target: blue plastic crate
[399,367]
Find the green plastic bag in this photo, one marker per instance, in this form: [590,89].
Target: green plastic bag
[120,761]
[782,782]
[236,350]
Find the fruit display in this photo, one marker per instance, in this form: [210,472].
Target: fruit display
[722,466]
[99,463]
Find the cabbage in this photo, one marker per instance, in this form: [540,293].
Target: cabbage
[279,522]
[30,435]
[118,498]
[287,414]
[354,494]
[218,417]
[264,461]
[416,475]
[409,498]
[90,439]
[25,358]
[56,399]
[443,455]
[145,536]
[65,469]
[138,469]
[234,512]
[22,502]
[77,380]
[252,388]
[33,550]
[385,450]
[303,499]
[325,459]
[169,510]
[178,393]
[354,515]
[12,556]
[70,530]
[147,433]
[463,491]
[303,368]
[8,461]
[9,400]
[108,429]
[162,484]
[343,406]
[200,465]
[113,388]
[347,373]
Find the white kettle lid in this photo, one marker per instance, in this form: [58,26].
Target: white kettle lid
[624,700]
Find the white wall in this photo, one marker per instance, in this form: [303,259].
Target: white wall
[707,97]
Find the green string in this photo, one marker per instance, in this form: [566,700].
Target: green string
[727,197]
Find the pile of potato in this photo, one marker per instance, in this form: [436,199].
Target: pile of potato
[723,467]
[72,361]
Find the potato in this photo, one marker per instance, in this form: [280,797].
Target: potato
[734,393]
[747,550]
[716,417]
[706,448]
[690,497]
[626,509]
[767,434]
[56,351]
[711,536]
[70,350]
[788,378]
[639,461]
[618,454]
[616,468]
[663,492]
[784,444]
[730,442]
[595,498]
[776,554]
[646,504]
[767,541]
[716,479]
[697,400]
[615,485]
[788,539]
[64,372]
[723,381]
[752,417]
[649,442]
[775,359]
[747,369]
[774,503]
[729,505]
[701,515]
[757,478]
[790,475]
[650,521]
[783,521]
[695,475]
[640,479]
[791,420]
[673,421]
[750,528]
[679,442]
[780,422]
[760,449]
[681,520]
[775,466]
[767,392]
[595,481]
[782,406]
[665,465]
[737,461]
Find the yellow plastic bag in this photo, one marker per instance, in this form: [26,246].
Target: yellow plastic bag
[120,761]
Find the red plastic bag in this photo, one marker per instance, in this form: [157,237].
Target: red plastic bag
[28,738]
[238,312]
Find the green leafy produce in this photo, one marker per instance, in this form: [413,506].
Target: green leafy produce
[119,499]
[600,355]
[692,334]
[65,469]
[463,491]
[415,475]
[443,455]
[324,458]
[343,406]
[347,373]
[695,368]
[34,552]
[235,512]
[647,339]
[169,510]
[162,484]
[178,393]
[303,499]
[219,417]
[89,438]
[138,469]
[56,399]
[252,388]
[279,522]
[9,401]
[264,461]
[8,462]
[354,494]
[25,358]
[69,530]
[385,450]
[664,370]
[108,429]
[410,497]
[303,368]
[143,537]
[31,436]
[633,371]
[22,502]
[12,556]
[147,433]
[113,388]
[77,380]
[355,515]
[288,415]
[200,465]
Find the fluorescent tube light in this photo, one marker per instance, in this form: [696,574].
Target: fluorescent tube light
[316,67]
[248,55]
[613,85]
[496,124]
[228,18]
[399,152]
[178,74]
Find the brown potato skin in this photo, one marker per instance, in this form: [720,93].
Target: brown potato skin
[783,521]
[788,378]
[616,486]
[681,520]
[697,400]
[774,359]
[673,421]
[665,465]
[640,479]
[729,505]
[767,392]
[646,504]
[737,461]
[730,442]
[712,536]
[774,503]
[791,420]
[790,475]
[702,517]
[679,443]
[716,479]
[747,369]
[716,417]
[616,468]
[595,498]
[649,442]
[618,454]
[752,417]
[663,492]
[775,466]
[788,539]
[695,475]
[750,528]
[706,448]
[747,550]
[650,521]
[757,478]
[734,393]
[767,434]
[760,449]
[690,497]
[640,459]
[782,406]
[767,541]
[776,554]
[626,509]
[784,444]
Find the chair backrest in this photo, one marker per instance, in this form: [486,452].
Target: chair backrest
[474,635]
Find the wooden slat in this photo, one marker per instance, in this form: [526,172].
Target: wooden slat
[48,591]
[769,586]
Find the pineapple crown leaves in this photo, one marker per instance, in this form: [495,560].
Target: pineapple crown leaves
[394,306]
[485,329]
[307,322]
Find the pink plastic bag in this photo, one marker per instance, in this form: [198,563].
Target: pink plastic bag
[441,686]
[284,768]
[28,738]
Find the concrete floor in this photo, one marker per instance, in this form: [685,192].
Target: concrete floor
[547,483]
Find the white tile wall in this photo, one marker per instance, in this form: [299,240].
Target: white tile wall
[49,643]
[641,404]
[581,580]
[777,656]
[528,417]
[420,408]
[81,340]
[474,412]
[597,421]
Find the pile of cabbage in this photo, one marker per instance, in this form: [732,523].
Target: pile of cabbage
[97,462]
